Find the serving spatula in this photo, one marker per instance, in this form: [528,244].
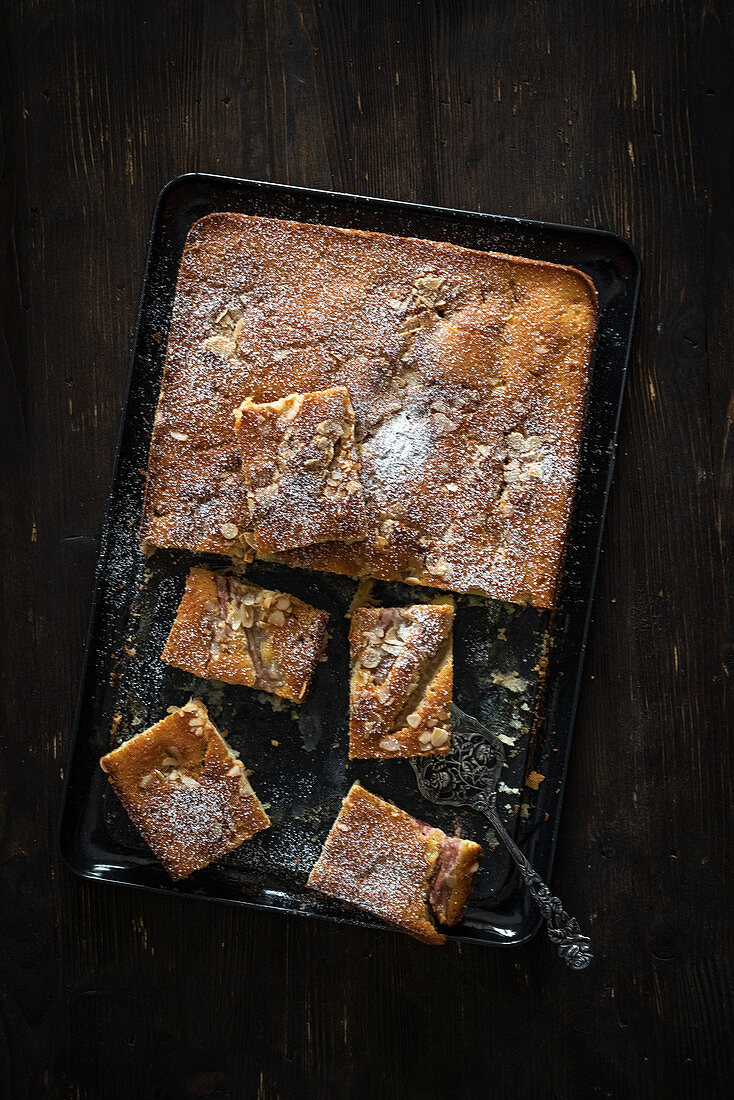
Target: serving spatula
[468,776]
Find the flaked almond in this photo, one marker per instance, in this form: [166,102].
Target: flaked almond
[344,828]
[169,762]
[248,598]
[443,424]
[390,744]
[220,345]
[441,568]
[235,770]
[277,618]
[413,720]
[474,867]
[370,658]
[330,427]
[404,631]
[439,737]
[188,780]
[178,435]
[229,530]
[283,603]
[425,737]
[146,780]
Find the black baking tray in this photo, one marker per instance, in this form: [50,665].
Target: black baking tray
[298,755]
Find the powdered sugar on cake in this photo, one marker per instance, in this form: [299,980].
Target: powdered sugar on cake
[443,350]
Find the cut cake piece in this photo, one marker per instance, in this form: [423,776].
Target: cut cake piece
[185,790]
[231,630]
[301,470]
[402,681]
[384,861]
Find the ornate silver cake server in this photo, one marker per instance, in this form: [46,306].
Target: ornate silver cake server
[468,776]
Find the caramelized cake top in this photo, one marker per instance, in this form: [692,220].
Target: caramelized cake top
[379,858]
[467,371]
[401,682]
[301,470]
[185,790]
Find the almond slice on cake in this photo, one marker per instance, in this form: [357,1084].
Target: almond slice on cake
[402,681]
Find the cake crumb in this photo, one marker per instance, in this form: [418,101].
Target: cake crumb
[510,680]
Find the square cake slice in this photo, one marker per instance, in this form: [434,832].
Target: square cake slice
[384,861]
[402,681]
[185,790]
[231,630]
[301,470]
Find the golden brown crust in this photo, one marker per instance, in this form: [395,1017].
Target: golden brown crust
[378,858]
[402,681]
[301,470]
[468,374]
[185,791]
[231,630]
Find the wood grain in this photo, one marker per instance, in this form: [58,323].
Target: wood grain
[616,115]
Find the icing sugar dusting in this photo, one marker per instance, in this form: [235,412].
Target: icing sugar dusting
[398,450]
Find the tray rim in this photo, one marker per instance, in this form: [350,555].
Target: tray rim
[533,920]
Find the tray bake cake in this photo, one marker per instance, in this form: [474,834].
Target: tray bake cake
[301,471]
[185,790]
[401,681]
[384,861]
[229,629]
[467,372]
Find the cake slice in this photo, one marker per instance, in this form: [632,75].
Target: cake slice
[301,470]
[402,680]
[384,861]
[231,630]
[185,790]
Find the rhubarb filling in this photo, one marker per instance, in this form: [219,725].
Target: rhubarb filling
[444,877]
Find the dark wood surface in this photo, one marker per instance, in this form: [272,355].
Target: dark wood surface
[616,115]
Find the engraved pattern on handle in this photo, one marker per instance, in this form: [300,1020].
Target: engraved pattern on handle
[564,931]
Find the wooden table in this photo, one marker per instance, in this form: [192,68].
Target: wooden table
[615,115]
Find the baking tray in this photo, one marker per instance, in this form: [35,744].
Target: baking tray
[299,755]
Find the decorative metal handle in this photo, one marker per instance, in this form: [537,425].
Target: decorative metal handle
[573,947]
